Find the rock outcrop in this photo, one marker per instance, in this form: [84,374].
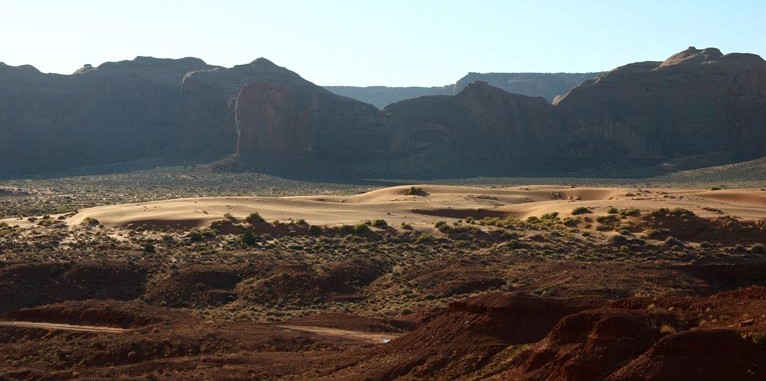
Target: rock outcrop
[697,102]
[546,85]
[302,120]
[117,112]
[698,107]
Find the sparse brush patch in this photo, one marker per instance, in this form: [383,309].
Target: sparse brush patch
[406,226]
[630,212]
[612,210]
[570,222]
[88,221]
[416,191]
[380,224]
[149,248]
[254,218]
[362,229]
[581,210]
[552,216]
[672,213]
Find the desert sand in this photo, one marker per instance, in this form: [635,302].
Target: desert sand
[396,206]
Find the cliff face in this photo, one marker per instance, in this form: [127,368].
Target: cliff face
[696,102]
[304,121]
[480,122]
[117,112]
[209,102]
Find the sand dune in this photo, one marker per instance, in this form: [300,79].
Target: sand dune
[441,202]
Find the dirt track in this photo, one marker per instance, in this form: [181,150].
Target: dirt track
[326,331]
[61,327]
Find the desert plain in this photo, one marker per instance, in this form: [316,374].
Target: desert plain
[424,281]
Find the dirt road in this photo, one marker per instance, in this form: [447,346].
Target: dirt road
[61,327]
[371,337]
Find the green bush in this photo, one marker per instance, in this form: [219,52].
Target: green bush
[194,235]
[149,247]
[362,229]
[248,238]
[630,212]
[581,210]
[254,218]
[380,223]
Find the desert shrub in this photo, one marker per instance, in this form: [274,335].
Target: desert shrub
[229,217]
[362,229]
[657,233]
[248,238]
[759,338]
[416,191]
[715,188]
[406,226]
[149,247]
[673,242]
[254,218]
[612,210]
[441,226]
[630,212]
[315,230]
[423,238]
[758,248]
[346,229]
[532,219]
[194,235]
[380,223]
[571,222]
[610,219]
[674,213]
[89,221]
[550,216]
[581,210]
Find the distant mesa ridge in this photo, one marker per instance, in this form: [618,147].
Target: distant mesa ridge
[698,107]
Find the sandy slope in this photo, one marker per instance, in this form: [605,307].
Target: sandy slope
[442,202]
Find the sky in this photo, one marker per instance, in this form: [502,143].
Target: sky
[377,42]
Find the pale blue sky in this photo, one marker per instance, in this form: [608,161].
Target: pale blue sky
[391,42]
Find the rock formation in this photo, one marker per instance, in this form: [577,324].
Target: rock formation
[697,102]
[303,120]
[546,85]
[697,107]
[117,112]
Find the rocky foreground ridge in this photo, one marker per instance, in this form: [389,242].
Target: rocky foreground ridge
[696,108]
